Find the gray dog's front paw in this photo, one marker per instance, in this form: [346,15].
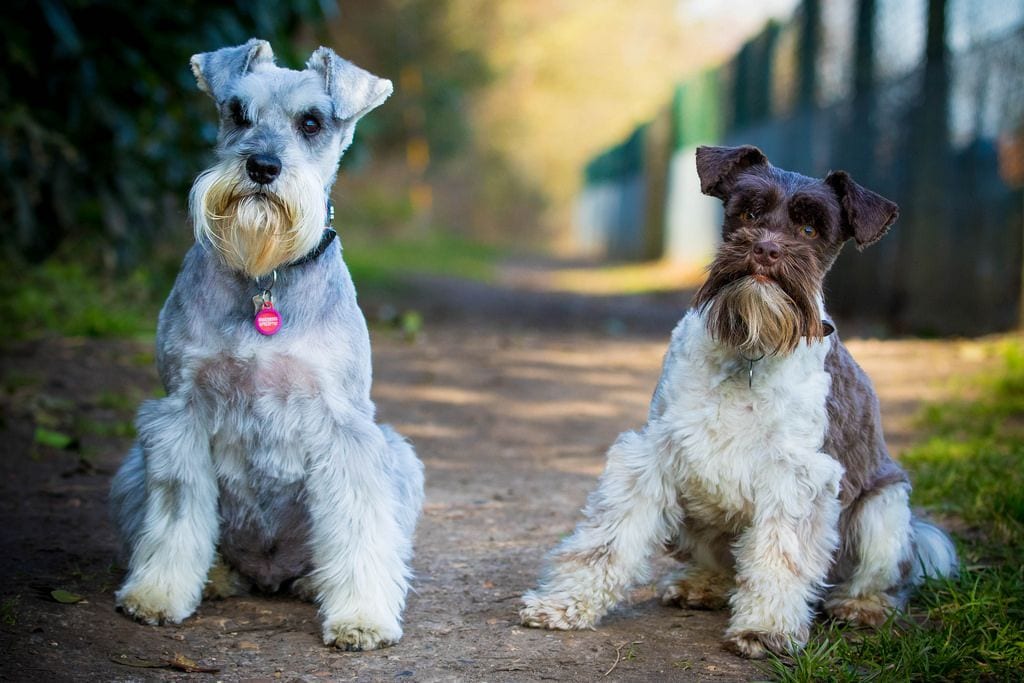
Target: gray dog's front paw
[153,607]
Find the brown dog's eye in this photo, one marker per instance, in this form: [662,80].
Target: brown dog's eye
[310,125]
[749,216]
[809,231]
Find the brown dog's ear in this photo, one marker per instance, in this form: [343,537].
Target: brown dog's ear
[718,166]
[867,216]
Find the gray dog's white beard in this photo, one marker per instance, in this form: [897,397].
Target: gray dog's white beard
[755,317]
[256,232]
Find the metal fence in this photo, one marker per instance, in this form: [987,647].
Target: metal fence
[920,100]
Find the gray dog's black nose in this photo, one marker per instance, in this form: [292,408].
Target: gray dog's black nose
[767,252]
[263,168]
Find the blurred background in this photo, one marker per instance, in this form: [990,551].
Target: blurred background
[530,147]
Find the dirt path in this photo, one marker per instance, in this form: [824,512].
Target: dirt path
[512,426]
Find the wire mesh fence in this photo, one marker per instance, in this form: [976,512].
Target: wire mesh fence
[920,100]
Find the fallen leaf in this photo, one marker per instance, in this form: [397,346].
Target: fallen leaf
[412,324]
[65,597]
[53,439]
[183,663]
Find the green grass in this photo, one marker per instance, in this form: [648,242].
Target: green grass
[971,470]
[9,611]
[383,264]
[74,300]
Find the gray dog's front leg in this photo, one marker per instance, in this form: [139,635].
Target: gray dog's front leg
[360,544]
[170,528]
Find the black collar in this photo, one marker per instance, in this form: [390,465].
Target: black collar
[318,250]
[325,239]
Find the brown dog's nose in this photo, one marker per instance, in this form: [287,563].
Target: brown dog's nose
[767,252]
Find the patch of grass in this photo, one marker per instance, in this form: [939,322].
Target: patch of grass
[965,629]
[120,401]
[9,611]
[72,299]
[14,381]
[105,428]
[383,264]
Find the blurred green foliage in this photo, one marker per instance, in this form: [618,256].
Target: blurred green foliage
[436,64]
[101,126]
[383,264]
[72,299]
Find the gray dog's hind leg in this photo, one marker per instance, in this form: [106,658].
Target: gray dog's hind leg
[407,478]
[128,501]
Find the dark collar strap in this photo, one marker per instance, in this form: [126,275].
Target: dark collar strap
[318,250]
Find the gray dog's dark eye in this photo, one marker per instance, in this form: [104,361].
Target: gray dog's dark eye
[237,115]
[310,125]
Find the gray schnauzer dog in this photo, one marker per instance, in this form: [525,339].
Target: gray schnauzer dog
[263,466]
[762,466]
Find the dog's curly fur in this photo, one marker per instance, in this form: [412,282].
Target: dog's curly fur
[263,466]
[762,465]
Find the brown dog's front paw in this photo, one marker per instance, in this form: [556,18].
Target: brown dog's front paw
[864,611]
[699,591]
[757,644]
[562,614]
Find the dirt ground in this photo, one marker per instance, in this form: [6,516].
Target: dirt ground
[510,399]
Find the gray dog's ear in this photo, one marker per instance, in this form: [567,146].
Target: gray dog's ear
[867,216]
[354,91]
[717,167]
[214,71]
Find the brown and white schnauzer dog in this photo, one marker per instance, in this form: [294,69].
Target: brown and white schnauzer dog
[762,466]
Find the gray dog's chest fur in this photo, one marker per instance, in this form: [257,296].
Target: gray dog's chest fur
[263,517]
[261,394]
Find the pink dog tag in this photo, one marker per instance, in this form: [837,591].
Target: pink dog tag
[267,320]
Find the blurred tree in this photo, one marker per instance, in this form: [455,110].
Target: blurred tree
[928,230]
[436,59]
[810,45]
[753,83]
[99,134]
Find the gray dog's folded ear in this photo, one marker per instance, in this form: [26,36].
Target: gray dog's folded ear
[214,71]
[354,91]
[867,216]
[717,167]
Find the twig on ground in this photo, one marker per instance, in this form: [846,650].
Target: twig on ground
[618,656]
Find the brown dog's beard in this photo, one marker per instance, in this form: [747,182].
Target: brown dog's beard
[758,313]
